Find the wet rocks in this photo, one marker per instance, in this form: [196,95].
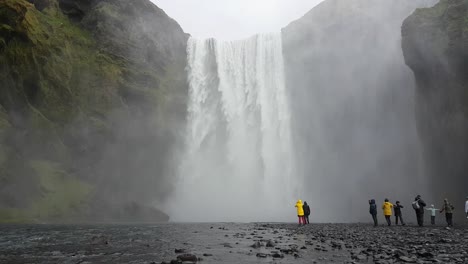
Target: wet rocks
[187,258]
[277,255]
[100,240]
[407,260]
[388,245]
[257,245]
[317,243]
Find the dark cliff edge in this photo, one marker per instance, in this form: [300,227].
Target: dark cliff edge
[92,100]
[435,46]
[353,103]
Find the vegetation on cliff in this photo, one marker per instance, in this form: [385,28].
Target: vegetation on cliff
[79,78]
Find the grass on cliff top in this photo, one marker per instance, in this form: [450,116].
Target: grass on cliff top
[437,10]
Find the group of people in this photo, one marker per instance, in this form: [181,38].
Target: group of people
[418,205]
[303,212]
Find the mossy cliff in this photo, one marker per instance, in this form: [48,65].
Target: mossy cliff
[92,98]
[435,45]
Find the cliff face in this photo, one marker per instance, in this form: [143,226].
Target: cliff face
[91,103]
[352,98]
[435,45]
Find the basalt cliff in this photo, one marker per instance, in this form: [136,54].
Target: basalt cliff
[435,45]
[92,100]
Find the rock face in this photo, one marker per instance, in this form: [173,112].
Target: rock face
[435,45]
[352,98]
[91,103]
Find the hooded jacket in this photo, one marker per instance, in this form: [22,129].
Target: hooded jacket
[300,210]
[387,208]
[447,207]
[397,209]
[372,207]
[306,209]
[421,203]
[432,209]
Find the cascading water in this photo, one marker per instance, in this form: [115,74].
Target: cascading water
[238,163]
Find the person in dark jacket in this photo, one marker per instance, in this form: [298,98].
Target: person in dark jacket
[373,211]
[448,208]
[418,206]
[397,211]
[306,212]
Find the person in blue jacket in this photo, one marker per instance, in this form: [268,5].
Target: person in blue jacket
[373,211]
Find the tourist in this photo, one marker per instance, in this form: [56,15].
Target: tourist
[448,208]
[300,211]
[466,207]
[418,206]
[433,213]
[306,212]
[387,210]
[397,211]
[373,211]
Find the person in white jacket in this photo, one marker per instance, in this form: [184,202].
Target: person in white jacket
[466,207]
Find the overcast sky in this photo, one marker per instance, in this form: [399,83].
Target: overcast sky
[234,19]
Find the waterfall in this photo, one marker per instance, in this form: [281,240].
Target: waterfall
[238,163]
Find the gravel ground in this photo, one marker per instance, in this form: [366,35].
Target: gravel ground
[232,243]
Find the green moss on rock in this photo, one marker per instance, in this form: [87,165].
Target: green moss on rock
[63,79]
[62,195]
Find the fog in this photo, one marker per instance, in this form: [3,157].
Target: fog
[237,130]
[234,19]
[353,108]
[350,111]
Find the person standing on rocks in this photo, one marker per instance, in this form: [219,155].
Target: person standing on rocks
[466,207]
[418,206]
[300,212]
[448,208]
[433,213]
[373,211]
[306,212]
[387,210]
[397,211]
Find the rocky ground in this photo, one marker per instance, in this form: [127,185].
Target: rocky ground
[232,243]
[395,244]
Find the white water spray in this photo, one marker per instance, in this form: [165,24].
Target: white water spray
[238,164]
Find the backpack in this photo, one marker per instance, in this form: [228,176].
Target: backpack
[415,205]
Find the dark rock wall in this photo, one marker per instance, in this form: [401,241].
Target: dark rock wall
[435,45]
[92,101]
[353,101]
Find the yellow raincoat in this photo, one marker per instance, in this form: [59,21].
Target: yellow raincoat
[300,210]
[387,208]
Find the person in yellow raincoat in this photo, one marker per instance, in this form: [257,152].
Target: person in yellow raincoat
[300,212]
[387,211]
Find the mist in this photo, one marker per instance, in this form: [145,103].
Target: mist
[353,110]
[216,129]
[350,102]
[93,135]
[234,19]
